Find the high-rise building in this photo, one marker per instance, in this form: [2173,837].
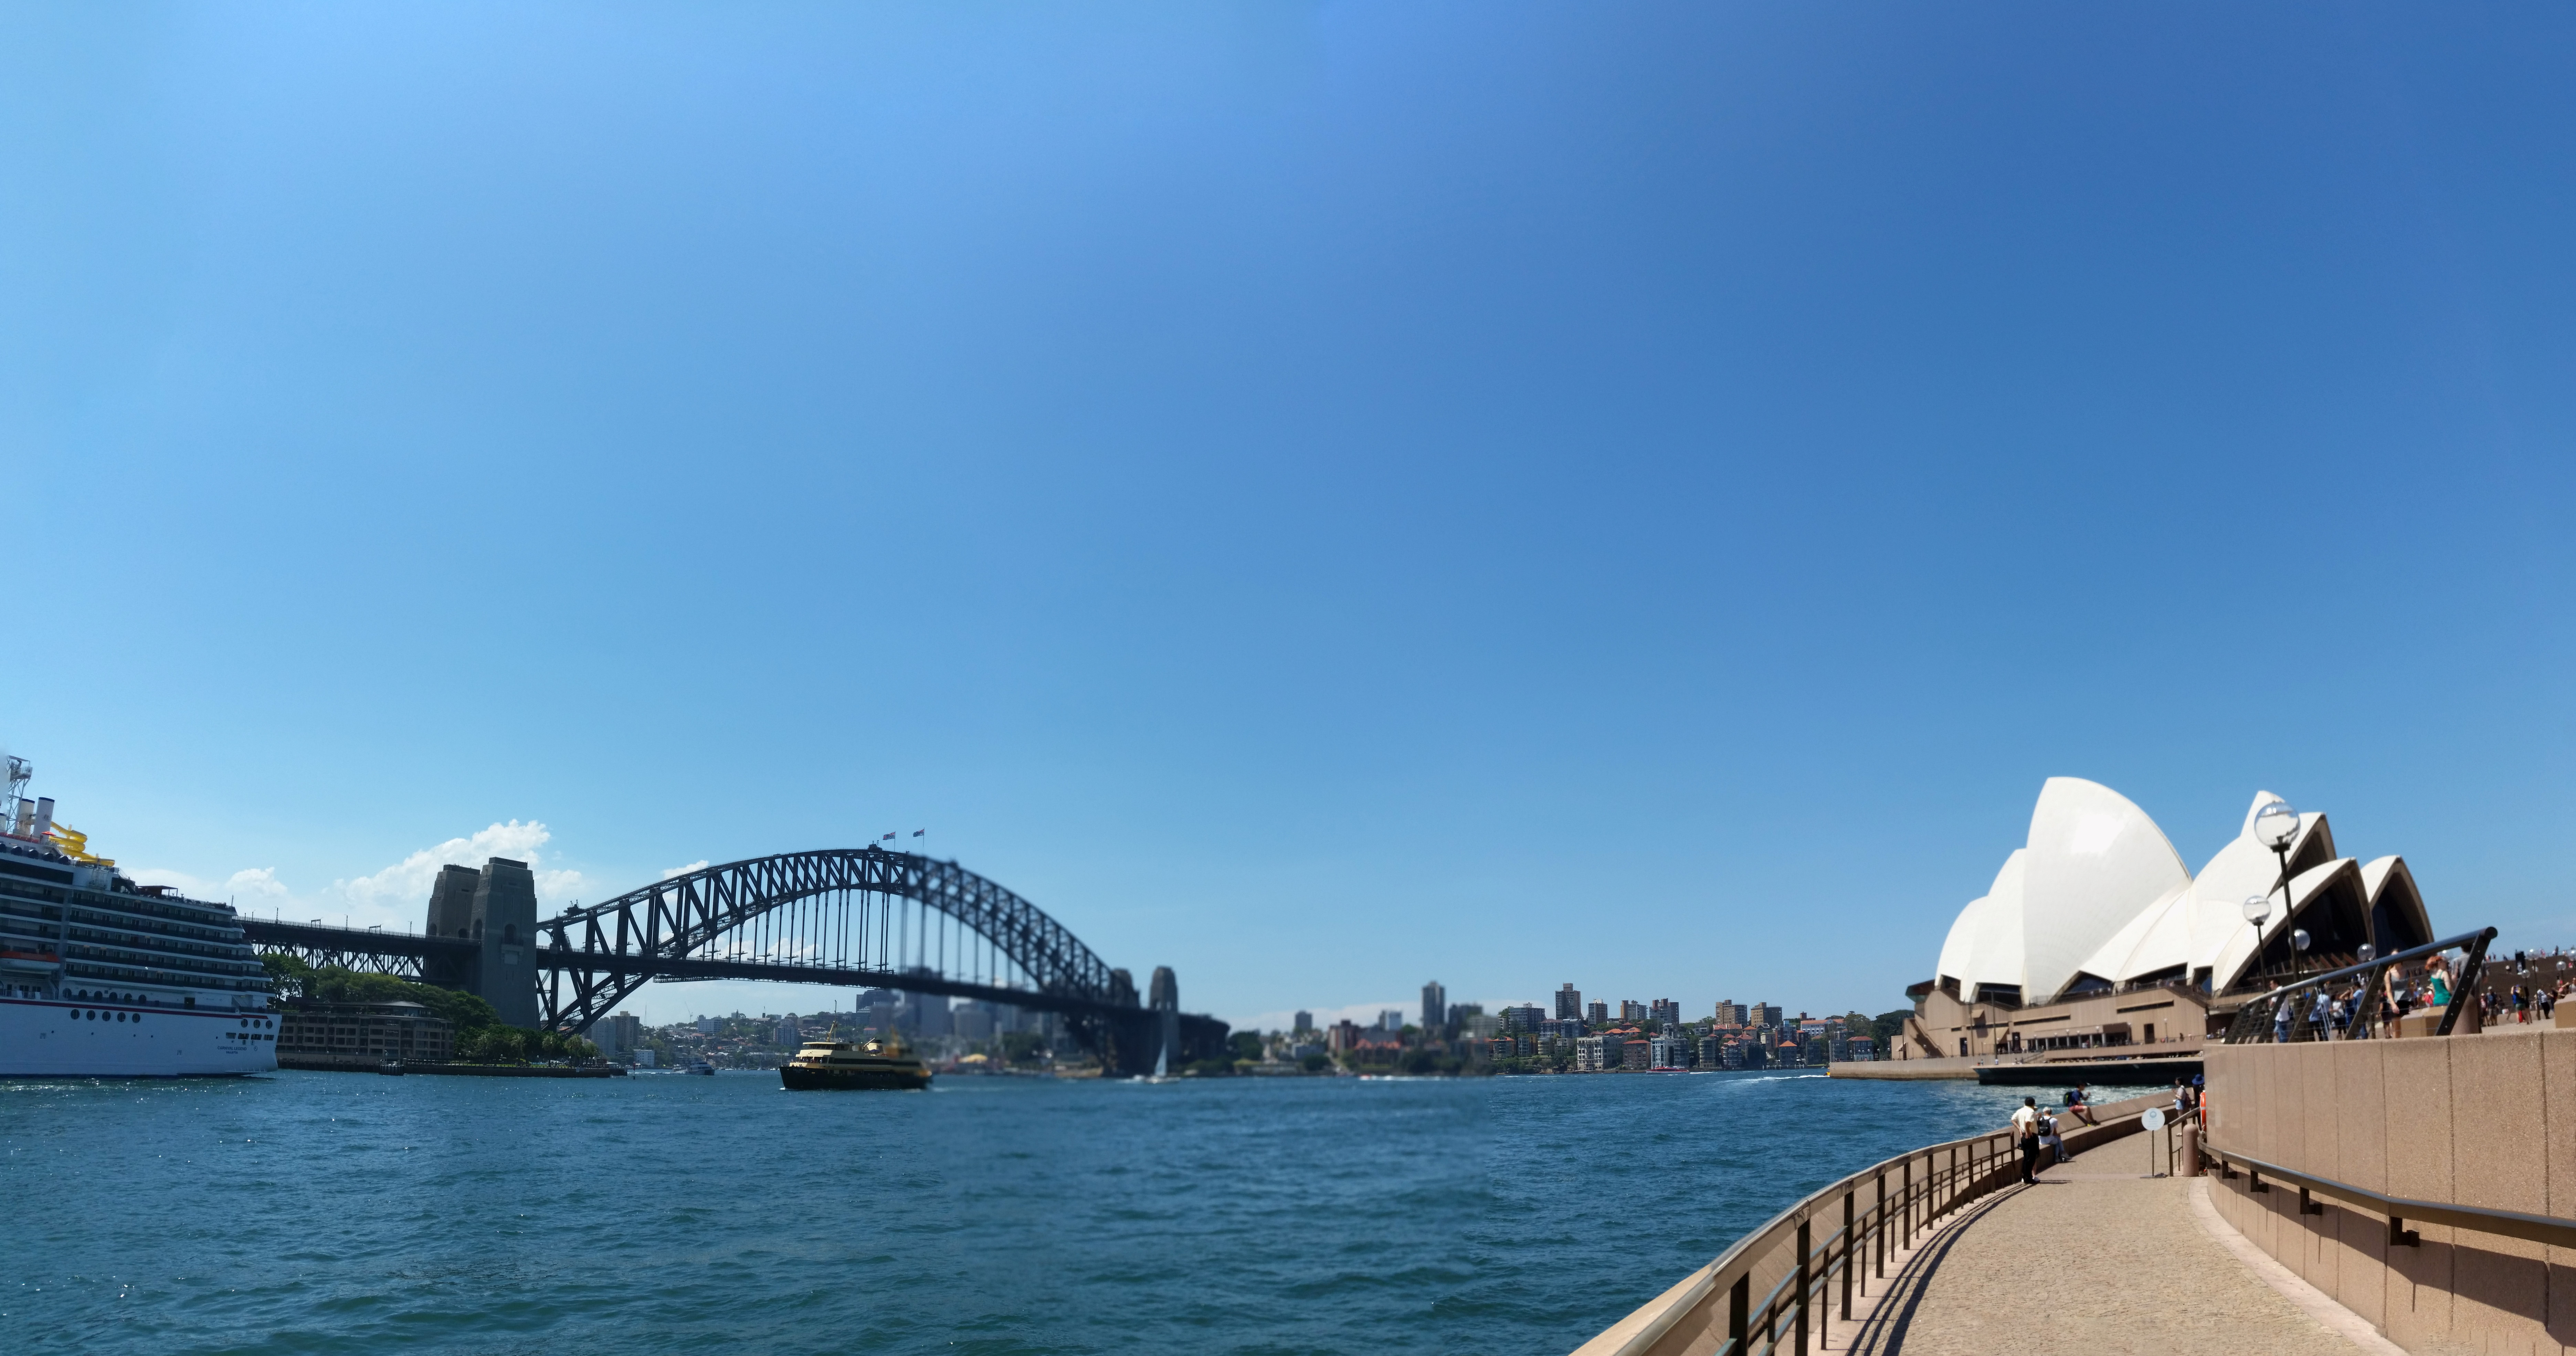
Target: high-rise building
[790,1032]
[707,1025]
[1630,1010]
[1388,1019]
[1435,1006]
[618,1035]
[1526,1017]
[1597,1013]
[1569,1004]
[1666,1011]
[1730,1013]
[1305,1020]
[1762,1014]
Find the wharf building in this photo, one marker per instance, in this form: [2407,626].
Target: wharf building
[2094,933]
[318,1035]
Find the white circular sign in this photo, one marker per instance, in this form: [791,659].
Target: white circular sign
[2154,1119]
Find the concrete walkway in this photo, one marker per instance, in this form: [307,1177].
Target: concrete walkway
[2095,1259]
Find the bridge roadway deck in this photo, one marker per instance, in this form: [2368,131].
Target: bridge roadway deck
[413,946]
[2095,1259]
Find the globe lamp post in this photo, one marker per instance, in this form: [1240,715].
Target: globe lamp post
[2257,909]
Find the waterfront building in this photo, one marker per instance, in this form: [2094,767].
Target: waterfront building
[2094,933]
[1305,1021]
[1599,1054]
[313,1034]
[1665,1011]
[1569,1004]
[1730,1013]
[1522,1018]
[1669,1051]
[1712,1052]
[1597,1013]
[1344,1037]
[1435,1006]
[1762,1014]
[618,1035]
[1562,1029]
[1635,1054]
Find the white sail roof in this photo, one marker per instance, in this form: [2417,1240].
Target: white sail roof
[2097,890]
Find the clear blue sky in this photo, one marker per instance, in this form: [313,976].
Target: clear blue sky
[1319,496]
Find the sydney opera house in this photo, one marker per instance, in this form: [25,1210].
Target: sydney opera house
[2095,933]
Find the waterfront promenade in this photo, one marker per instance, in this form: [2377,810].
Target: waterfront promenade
[2095,1258]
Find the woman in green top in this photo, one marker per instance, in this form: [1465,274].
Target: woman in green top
[2438,972]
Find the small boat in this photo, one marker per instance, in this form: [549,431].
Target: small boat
[842,1064]
[701,1067]
[391,1066]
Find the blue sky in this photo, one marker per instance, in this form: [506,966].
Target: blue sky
[1319,496]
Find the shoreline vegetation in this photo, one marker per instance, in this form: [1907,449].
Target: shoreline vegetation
[480,1035]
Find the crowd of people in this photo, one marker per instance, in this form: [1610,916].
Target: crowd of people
[2539,981]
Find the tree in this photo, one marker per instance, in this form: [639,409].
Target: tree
[290,974]
[1247,1045]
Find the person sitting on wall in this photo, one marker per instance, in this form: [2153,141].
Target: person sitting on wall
[2077,1107]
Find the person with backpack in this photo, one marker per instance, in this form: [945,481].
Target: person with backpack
[2026,1128]
[2051,1145]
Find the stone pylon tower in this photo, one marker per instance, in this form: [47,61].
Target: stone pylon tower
[1164,997]
[505,922]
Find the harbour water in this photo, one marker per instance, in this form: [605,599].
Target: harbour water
[345,1213]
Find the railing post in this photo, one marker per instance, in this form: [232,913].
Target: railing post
[1805,1280]
[1848,1240]
[1878,1229]
[1739,1302]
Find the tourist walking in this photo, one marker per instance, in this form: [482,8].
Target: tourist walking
[2026,1129]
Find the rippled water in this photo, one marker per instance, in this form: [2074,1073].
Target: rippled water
[349,1212]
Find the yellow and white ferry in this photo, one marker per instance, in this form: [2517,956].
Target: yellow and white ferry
[843,1064]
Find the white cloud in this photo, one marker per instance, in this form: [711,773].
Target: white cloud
[670,871]
[397,896]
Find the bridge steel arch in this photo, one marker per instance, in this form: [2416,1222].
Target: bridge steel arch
[820,905]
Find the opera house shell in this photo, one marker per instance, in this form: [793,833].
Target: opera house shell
[2097,902]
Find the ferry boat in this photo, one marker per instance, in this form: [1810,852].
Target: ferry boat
[101,977]
[841,1064]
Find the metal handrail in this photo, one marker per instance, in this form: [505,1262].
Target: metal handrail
[2399,1209]
[2248,1029]
[1952,1174]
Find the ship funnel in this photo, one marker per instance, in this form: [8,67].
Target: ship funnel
[44,818]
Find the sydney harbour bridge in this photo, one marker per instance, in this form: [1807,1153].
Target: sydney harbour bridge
[846,917]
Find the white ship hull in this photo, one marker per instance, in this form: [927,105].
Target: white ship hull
[45,1038]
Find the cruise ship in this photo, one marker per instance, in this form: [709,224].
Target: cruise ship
[101,977]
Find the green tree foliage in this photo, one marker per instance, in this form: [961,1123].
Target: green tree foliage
[1022,1047]
[1316,1063]
[480,1037]
[290,974]
[1247,1044]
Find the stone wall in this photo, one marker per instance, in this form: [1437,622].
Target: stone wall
[2487,1120]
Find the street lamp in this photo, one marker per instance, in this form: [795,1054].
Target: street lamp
[2257,909]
